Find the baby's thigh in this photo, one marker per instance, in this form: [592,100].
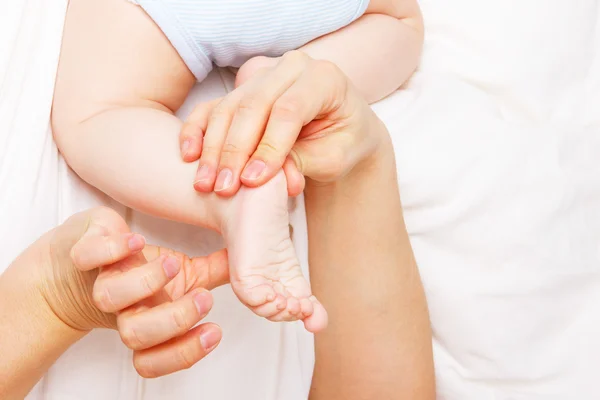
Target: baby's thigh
[114,55]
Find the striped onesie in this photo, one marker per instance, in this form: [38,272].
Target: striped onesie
[227,33]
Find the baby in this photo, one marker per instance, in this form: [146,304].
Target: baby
[126,68]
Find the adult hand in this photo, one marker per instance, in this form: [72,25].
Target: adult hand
[292,112]
[99,275]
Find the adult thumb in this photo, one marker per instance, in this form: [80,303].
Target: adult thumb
[323,160]
[99,221]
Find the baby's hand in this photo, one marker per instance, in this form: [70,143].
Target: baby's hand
[226,132]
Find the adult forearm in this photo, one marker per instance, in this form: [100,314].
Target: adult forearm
[32,336]
[378,344]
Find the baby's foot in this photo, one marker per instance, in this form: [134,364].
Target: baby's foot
[265,273]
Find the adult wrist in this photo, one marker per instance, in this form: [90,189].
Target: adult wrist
[34,288]
[34,337]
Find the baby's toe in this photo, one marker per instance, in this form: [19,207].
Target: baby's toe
[293,306]
[257,296]
[271,308]
[306,308]
[289,314]
[318,320]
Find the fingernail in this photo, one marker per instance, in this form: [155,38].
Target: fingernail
[203,302]
[136,242]
[171,267]
[210,338]
[224,180]
[254,170]
[203,174]
[185,147]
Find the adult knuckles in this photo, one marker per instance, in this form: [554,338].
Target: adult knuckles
[112,250]
[210,152]
[180,322]
[129,335]
[189,354]
[223,111]
[143,366]
[287,108]
[270,153]
[333,75]
[253,103]
[326,67]
[296,56]
[230,148]
[102,299]
[150,283]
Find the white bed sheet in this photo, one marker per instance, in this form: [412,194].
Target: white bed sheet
[497,139]
[498,144]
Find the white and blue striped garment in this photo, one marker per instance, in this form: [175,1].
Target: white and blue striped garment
[229,32]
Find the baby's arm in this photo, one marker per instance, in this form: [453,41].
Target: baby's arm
[379,51]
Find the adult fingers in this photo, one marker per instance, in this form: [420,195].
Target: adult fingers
[219,120]
[295,180]
[327,151]
[209,272]
[180,353]
[116,291]
[192,131]
[206,272]
[144,329]
[324,162]
[248,123]
[94,251]
[317,92]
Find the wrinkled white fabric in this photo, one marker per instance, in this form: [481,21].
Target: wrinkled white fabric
[498,142]
[497,139]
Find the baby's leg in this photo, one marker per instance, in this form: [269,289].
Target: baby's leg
[118,83]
